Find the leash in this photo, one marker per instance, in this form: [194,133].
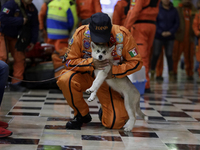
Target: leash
[46,79]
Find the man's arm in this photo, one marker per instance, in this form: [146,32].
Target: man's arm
[116,14]
[42,16]
[74,54]
[133,61]
[97,6]
[176,24]
[7,15]
[133,14]
[195,25]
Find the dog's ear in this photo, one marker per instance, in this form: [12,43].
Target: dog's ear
[93,45]
[111,48]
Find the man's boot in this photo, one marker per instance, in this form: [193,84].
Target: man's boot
[78,121]
[152,75]
[171,76]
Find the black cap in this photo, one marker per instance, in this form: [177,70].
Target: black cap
[100,27]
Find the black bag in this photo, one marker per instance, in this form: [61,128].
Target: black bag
[42,71]
[24,38]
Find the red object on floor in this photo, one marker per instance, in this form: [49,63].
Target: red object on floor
[3,124]
[4,132]
[40,50]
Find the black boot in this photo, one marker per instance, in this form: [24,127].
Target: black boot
[78,121]
[16,87]
[100,113]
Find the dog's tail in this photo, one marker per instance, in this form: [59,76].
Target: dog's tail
[140,113]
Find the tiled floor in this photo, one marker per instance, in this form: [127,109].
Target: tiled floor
[37,119]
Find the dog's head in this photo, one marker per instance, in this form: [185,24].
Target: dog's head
[101,52]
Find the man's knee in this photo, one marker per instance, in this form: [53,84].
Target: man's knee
[116,122]
[66,79]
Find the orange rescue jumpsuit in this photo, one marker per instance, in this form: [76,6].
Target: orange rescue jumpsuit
[185,46]
[42,19]
[74,82]
[86,8]
[119,16]
[141,21]
[196,28]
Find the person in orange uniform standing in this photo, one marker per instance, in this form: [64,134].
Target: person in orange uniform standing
[74,82]
[141,21]
[86,8]
[184,39]
[42,20]
[12,21]
[120,12]
[196,28]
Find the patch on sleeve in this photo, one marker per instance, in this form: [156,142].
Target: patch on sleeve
[119,38]
[71,41]
[86,44]
[133,3]
[87,33]
[133,52]
[67,63]
[119,48]
[6,10]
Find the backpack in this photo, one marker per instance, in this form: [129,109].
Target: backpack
[24,36]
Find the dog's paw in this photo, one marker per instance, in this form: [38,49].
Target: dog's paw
[129,125]
[89,91]
[128,129]
[92,97]
[89,99]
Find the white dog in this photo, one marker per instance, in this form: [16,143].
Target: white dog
[122,85]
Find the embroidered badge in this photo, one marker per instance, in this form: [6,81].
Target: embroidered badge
[133,52]
[6,10]
[112,40]
[86,44]
[133,2]
[114,53]
[87,34]
[67,63]
[119,48]
[71,41]
[119,38]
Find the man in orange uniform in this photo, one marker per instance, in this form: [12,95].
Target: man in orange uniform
[86,8]
[42,20]
[74,82]
[184,39]
[140,21]
[196,28]
[12,21]
[120,12]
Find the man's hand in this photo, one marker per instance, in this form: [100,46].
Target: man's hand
[166,33]
[100,64]
[110,72]
[25,20]
[30,47]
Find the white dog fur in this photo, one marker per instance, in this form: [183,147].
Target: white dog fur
[122,85]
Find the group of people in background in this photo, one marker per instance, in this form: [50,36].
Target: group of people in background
[155,25]
[173,24]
